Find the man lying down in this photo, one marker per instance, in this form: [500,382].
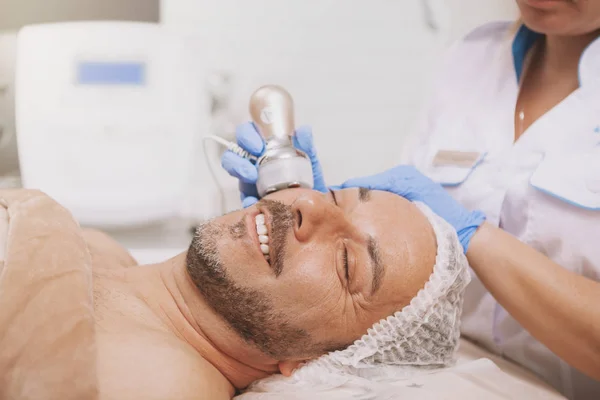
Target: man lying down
[264,290]
[302,285]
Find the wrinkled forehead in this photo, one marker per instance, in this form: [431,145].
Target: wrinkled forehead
[406,241]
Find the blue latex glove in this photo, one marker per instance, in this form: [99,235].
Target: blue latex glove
[247,173]
[409,183]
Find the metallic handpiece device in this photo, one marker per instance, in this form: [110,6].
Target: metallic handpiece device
[282,166]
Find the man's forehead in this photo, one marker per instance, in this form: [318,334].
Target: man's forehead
[399,236]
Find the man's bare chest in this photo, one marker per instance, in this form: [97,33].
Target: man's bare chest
[146,364]
[139,358]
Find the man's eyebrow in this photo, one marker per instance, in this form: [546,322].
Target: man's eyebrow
[364,195]
[378,270]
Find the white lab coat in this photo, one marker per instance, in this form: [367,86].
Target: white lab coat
[544,189]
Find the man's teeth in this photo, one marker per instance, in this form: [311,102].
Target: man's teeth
[263,237]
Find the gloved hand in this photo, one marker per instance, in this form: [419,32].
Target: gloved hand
[409,183]
[251,141]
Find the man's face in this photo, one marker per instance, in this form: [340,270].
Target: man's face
[337,263]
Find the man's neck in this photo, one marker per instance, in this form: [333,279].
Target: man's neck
[179,304]
[562,54]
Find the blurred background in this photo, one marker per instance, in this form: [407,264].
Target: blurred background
[125,154]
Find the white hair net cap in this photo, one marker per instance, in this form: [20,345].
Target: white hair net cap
[424,335]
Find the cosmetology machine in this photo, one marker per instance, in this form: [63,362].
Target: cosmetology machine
[9,162]
[107,116]
[282,165]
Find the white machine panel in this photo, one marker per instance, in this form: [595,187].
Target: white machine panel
[108,114]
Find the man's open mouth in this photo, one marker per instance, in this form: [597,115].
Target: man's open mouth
[263,235]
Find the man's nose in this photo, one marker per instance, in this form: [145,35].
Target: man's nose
[316,217]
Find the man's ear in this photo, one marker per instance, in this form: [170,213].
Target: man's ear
[287,367]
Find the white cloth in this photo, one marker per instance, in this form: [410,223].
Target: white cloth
[544,189]
[478,375]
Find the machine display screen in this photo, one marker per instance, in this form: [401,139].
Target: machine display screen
[110,73]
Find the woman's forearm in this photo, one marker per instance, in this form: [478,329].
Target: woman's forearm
[559,308]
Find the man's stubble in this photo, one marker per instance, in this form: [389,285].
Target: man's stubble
[250,313]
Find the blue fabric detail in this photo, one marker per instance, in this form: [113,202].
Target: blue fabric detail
[524,39]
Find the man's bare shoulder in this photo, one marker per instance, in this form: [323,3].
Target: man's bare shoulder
[106,252]
[145,364]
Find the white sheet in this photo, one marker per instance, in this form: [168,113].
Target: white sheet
[475,376]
